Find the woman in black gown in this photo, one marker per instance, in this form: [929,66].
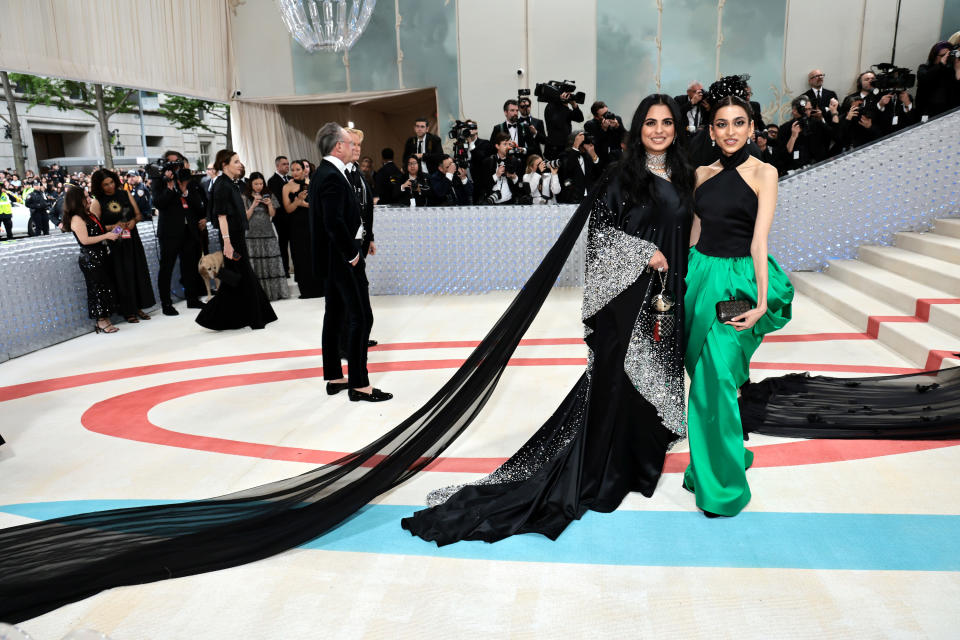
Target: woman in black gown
[131,275]
[610,435]
[92,236]
[295,203]
[240,301]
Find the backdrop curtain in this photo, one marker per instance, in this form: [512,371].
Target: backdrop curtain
[259,135]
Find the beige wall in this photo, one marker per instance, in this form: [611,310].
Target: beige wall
[263,64]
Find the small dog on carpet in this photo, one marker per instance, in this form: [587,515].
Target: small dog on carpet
[210,265]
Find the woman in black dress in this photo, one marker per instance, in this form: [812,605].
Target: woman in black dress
[93,237]
[114,206]
[240,301]
[297,206]
[610,435]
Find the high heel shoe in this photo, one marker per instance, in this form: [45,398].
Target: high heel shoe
[107,329]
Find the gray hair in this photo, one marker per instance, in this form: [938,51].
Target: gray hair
[328,136]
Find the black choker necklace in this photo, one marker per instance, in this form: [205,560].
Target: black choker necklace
[735,160]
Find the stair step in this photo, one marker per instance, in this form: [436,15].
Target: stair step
[932,272]
[948,227]
[897,291]
[934,245]
[913,340]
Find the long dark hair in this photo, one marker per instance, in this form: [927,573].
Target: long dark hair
[96,182]
[73,205]
[637,182]
[248,190]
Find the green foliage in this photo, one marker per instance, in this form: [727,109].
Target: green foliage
[70,94]
[188,113]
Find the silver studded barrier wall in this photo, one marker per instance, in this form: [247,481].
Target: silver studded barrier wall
[900,183]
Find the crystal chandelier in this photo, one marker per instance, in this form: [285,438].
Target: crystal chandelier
[326,25]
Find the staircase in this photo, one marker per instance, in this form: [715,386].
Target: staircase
[906,296]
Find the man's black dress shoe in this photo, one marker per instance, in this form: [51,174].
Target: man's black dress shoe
[372,343]
[195,303]
[333,388]
[374,396]
[168,310]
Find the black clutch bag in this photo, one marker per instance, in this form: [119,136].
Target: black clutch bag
[727,310]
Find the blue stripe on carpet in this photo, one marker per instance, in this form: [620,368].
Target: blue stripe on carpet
[850,541]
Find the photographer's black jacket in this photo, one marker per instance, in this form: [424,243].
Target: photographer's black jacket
[418,191]
[938,89]
[384,180]
[485,182]
[445,192]
[574,181]
[432,149]
[606,143]
[173,218]
[559,118]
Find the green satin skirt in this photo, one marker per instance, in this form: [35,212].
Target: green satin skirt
[717,359]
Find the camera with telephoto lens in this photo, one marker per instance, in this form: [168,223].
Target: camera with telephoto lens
[460,133]
[513,163]
[891,79]
[954,53]
[551,91]
[609,115]
[157,169]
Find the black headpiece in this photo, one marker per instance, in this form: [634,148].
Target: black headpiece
[728,86]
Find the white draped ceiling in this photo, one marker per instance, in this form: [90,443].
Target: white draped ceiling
[173,46]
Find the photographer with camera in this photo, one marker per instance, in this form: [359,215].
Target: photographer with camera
[182,213]
[578,166]
[386,177]
[607,131]
[536,129]
[807,137]
[938,81]
[561,112]
[519,134]
[412,188]
[424,145]
[693,111]
[449,185]
[500,173]
[542,180]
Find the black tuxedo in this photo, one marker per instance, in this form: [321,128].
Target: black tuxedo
[486,183]
[179,237]
[559,119]
[383,181]
[432,148]
[336,220]
[281,220]
[536,141]
[418,191]
[574,181]
[524,137]
[365,196]
[482,149]
[701,117]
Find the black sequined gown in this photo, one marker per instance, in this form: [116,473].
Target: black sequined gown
[610,435]
[95,264]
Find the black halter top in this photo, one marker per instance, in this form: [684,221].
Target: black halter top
[727,207]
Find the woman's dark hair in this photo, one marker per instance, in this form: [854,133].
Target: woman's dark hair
[248,190]
[304,163]
[73,205]
[224,156]
[96,181]
[729,101]
[935,51]
[637,182]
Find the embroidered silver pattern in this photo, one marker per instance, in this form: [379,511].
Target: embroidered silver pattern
[649,365]
[615,260]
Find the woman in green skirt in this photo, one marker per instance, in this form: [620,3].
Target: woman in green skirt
[735,199]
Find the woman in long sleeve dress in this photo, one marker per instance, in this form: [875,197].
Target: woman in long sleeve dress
[260,207]
[610,435]
[240,301]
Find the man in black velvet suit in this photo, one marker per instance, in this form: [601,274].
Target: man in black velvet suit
[426,146]
[335,218]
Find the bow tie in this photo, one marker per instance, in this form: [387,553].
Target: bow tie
[512,125]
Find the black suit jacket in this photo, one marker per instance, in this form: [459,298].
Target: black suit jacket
[383,182]
[485,182]
[275,185]
[449,193]
[535,142]
[574,180]
[419,192]
[432,148]
[334,216]
[825,97]
[365,196]
[524,138]
[758,124]
[174,219]
[558,118]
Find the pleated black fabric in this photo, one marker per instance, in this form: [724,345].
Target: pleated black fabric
[46,565]
[924,406]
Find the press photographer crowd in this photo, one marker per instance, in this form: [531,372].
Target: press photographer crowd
[523,160]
